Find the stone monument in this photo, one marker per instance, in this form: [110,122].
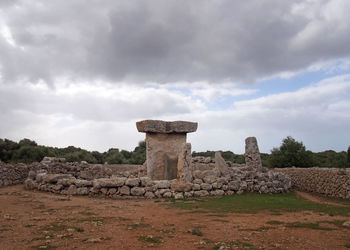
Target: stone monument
[168,156]
[252,154]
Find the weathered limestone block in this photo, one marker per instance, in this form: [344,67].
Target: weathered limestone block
[53,178]
[164,144]
[220,164]
[178,186]
[132,182]
[137,191]
[252,154]
[109,182]
[162,153]
[184,164]
[164,127]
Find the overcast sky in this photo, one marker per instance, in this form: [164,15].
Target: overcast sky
[82,72]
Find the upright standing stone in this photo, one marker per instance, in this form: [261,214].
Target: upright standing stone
[220,164]
[184,164]
[164,142]
[252,154]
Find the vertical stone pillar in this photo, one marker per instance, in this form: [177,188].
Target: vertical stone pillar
[184,164]
[252,154]
[164,143]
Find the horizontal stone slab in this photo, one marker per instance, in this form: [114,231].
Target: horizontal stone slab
[164,127]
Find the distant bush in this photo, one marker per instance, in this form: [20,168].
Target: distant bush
[291,153]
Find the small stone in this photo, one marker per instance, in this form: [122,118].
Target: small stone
[149,195]
[167,195]
[124,190]
[137,191]
[206,186]
[201,193]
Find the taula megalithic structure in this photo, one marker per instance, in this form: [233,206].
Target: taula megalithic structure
[167,154]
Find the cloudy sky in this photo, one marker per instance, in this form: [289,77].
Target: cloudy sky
[82,72]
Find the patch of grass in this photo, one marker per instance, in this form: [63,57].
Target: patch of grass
[166,231]
[87,213]
[136,226]
[54,227]
[150,239]
[274,222]
[347,245]
[310,225]
[259,229]
[124,218]
[217,215]
[196,231]
[92,219]
[29,225]
[78,229]
[44,237]
[253,203]
[207,241]
[235,244]
[50,211]
[338,223]
[221,220]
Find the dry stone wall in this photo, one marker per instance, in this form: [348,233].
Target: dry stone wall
[207,181]
[332,182]
[12,174]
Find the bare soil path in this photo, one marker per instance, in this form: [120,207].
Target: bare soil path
[318,199]
[35,220]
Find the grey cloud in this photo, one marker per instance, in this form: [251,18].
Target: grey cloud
[146,103]
[168,41]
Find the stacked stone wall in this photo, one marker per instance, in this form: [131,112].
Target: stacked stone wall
[62,178]
[12,174]
[326,181]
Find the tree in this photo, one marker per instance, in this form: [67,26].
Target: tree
[291,153]
[27,142]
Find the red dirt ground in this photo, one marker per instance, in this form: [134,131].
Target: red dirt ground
[35,220]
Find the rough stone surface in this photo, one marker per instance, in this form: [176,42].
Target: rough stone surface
[162,153]
[132,182]
[252,154]
[168,156]
[180,187]
[165,127]
[124,190]
[331,182]
[137,191]
[184,164]
[220,164]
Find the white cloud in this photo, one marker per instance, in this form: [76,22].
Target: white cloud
[105,116]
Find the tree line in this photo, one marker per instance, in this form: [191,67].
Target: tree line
[290,153]
[28,151]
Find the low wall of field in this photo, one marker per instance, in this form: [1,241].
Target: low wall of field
[12,174]
[115,181]
[333,182]
[72,179]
